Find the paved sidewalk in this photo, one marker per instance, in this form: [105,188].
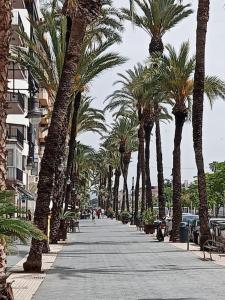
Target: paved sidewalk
[108,260]
[25,285]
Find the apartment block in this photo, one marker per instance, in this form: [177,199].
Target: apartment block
[27,115]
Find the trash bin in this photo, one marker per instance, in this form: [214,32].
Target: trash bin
[183,232]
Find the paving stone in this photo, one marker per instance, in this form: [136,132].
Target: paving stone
[108,260]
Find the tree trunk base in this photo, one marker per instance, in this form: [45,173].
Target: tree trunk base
[203,239]
[32,265]
[45,248]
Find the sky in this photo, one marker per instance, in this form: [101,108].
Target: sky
[135,48]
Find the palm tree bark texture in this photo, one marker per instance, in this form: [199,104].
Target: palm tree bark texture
[137,187]
[5,34]
[141,137]
[197,117]
[82,13]
[116,191]
[180,117]
[148,130]
[161,195]
[58,188]
[156,45]
[109,187]
[72,149]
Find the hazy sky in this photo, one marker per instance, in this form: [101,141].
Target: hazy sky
[135,47]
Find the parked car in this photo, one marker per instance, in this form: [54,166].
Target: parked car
[215,225]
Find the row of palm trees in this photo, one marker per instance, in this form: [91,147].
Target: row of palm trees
[81,34]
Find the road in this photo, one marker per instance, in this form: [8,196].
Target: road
[108,260]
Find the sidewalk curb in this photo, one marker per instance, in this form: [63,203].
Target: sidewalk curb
[25,285]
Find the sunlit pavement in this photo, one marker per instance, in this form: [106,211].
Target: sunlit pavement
[108,260]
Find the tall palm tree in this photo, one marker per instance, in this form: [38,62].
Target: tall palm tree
[197,116]
[124,135]
[156,18]
[80,14]
[176,76]
[86,119]
[5,34]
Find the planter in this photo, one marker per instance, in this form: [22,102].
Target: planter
[125,221]
[149,228]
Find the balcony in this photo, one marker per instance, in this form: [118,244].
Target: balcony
[14,175]
[44,98]
[15,71]
[18,4]
[17,21]
[16,103]
[15,135]
[43,133]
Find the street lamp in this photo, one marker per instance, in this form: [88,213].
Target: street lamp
[35,114]
[132,199]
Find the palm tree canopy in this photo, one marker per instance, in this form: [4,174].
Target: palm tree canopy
[157,16]
[89,118]
[10,227]
[176,72]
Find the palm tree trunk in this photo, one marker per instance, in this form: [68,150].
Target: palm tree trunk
[141,136]
[197,116]
[148,131]
[116,191]
[126,163]
[58,188]
[83,14]
[177,208]
[72,150]
[137,186]
[5,34]
[99,195]
[109,197]
[156,45]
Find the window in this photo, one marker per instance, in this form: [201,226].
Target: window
[24,162]
[34,171]
[10,158]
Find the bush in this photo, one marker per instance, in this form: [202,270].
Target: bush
[149,216]
[125,216]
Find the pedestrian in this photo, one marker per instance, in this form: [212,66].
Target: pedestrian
[102,212]
[98,213]
[93,215]
[29,215]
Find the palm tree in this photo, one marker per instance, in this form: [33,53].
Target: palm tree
[156,18]
[86,119]
[9,228]
[93,61]
[197,116]
[124,135]
[5,29]
[80,14]
[177,82]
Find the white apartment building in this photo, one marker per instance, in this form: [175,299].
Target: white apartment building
[23,158]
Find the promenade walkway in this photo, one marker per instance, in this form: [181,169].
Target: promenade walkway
[108,260]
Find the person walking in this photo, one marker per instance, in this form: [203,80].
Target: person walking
[93,215]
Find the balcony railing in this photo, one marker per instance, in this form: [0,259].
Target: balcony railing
[14,133]
[17,21]
[14,174]
[16,98]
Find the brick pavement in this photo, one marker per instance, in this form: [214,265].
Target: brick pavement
[108,260]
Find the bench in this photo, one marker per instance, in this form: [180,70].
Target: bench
[73,226]
[140,226]
[212,246]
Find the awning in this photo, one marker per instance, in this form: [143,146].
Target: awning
[25,192]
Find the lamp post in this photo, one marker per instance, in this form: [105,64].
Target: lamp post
[132,199]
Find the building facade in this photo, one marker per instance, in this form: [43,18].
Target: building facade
[28,106]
